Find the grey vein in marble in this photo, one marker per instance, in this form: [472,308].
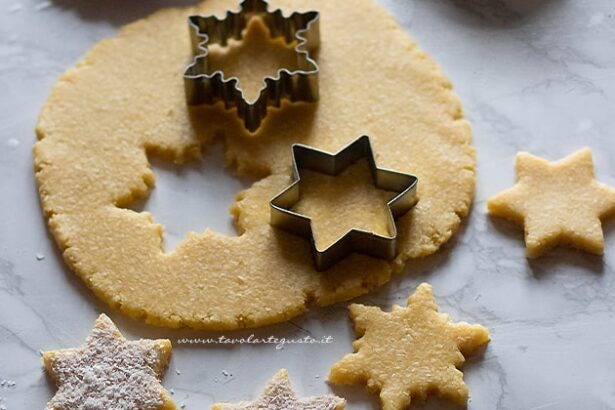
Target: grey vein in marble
[533,75]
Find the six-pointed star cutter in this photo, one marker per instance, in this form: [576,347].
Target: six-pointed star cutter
[356,240]
[205,87]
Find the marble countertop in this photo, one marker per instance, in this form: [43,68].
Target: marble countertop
[534,75]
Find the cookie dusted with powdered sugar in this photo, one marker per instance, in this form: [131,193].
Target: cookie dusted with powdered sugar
[279,395]
[110,372]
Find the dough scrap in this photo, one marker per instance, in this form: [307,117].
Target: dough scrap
[279,395]
[103,118]
[558,203]
[109,372]
[409,352]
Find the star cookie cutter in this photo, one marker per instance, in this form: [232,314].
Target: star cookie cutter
[205,87]
[356,240]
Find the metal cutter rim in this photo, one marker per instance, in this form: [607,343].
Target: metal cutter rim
[359,240]
[203,87]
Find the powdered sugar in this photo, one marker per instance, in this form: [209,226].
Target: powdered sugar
[108,372]
[279,395]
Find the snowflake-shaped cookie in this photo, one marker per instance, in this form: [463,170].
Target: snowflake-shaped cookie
[559,203]
[279,395]
[409,352]
[109,372]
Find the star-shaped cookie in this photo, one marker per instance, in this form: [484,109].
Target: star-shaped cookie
[279,395]
[109,372]
[558,203]
[409,352]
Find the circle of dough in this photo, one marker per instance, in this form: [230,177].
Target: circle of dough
[125,101]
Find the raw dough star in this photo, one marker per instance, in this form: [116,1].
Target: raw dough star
[109,372]
[559,203]
[409,352]
[279,395]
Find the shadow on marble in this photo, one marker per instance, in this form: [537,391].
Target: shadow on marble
[564,256]
[608,227]
[119,12]
[554,259]
[358,395]
[502,13]
[418,270]
[436,403]
[506,228]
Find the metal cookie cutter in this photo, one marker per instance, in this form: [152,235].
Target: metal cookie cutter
[356,240]
[205,87]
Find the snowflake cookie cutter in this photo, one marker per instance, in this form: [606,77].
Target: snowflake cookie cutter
[356,240]
[205,87]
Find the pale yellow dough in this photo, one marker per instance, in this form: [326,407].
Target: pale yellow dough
[125,101]
[409,352]
[559,203]
[339,204]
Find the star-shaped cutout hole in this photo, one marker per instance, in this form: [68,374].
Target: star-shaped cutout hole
[110,372]
[558,203]
[409,352]
[279,395]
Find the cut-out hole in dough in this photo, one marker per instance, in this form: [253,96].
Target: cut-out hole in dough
[192,197]
[198,195]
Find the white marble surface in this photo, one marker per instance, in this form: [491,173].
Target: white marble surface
[537,75]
